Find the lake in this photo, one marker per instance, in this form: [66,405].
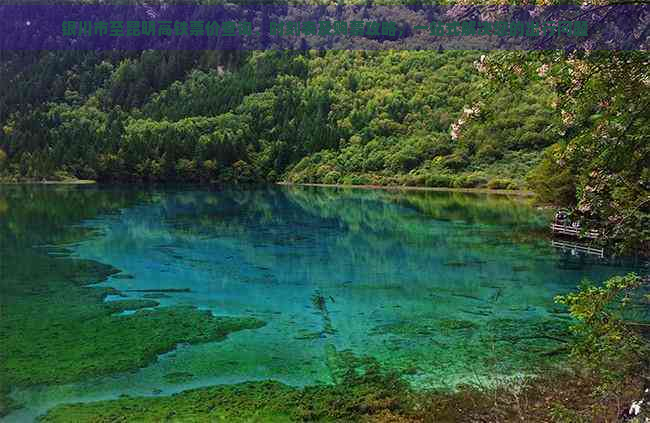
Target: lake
[443,288]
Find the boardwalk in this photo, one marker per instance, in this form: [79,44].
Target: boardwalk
[578,248]
[571,231]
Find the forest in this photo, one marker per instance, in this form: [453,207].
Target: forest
[570,126]
[196,243]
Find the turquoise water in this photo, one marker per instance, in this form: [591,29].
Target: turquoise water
[445,288]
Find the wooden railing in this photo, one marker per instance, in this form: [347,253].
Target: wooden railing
[571,231]
[600,252]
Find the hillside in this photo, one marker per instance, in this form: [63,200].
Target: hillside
[332,117]
[571,127]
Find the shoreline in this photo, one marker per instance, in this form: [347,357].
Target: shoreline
[521,193]
[67,182]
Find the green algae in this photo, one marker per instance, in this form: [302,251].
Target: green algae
[454,325]
[161,290]
[54,327]
[426,327]
[309,335]
[123,276]
[363,389]
[248,402]
[177,377]
[532,345]
[516,330]
[344,364]
[154,295]
[57,330]
[133,304]
[320,304]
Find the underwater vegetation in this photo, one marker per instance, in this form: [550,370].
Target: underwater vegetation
[364,391]
[389,313]
[362,388]
[56,329]
[320,304]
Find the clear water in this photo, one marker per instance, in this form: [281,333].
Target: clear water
[442,287]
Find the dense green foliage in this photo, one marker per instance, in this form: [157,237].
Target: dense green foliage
[601,162]
[572,127]
[611,346]
[605,341]
[332,117]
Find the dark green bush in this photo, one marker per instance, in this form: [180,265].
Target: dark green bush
[488,153]
[470,181]
[443,181]
[415,180]
[332,177]
[456,161]
[502,183]
[553,180]
[356,180]
[605,342]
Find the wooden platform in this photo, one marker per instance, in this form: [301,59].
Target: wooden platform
[571,231]
[570,246]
